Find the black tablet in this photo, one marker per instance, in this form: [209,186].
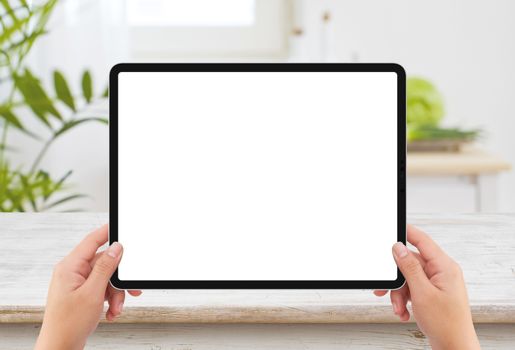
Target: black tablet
[236,176]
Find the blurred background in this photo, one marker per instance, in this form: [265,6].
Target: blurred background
[459,55]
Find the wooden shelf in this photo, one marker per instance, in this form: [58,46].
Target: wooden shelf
[466,162]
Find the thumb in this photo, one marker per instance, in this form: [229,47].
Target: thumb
[104,267]
[410,268]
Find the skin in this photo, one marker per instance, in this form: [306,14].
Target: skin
[436,289]
[77,293]
[80,286]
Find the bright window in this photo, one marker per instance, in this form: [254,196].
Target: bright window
[194,13]
[175,29]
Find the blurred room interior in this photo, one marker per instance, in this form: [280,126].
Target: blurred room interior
[460,54]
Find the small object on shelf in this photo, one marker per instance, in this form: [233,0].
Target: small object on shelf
[436,145]
[424,103]
[429,138]
[424,112]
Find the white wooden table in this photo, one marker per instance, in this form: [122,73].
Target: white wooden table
[267,319]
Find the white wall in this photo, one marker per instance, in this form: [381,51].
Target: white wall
[467,47]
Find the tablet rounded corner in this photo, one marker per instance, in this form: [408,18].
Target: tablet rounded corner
[399,282]
[117,69]
[115,282]
[398,69]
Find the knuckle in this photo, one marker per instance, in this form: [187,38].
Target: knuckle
[104,265]
[412,267]
[455,269]
[84,265]
[59,268]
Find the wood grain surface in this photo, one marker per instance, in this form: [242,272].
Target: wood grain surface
[30,244]
[257,337]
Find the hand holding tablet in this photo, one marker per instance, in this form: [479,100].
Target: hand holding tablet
[435,287]
[437,292]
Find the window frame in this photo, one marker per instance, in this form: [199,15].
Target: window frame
[266,38]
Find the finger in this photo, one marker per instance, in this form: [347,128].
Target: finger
[134,292]
[419,258]
[110,316]
[399,299]
[405,316]
[380,293]
[396,299]
[103,269]
[87,248]
[410,268]
[93,261]
[426,246]
[115,300]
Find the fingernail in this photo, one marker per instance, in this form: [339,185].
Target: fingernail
[120,307]
[400,250]
[395,308]
[114,250]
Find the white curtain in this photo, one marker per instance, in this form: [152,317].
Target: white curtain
[83,34]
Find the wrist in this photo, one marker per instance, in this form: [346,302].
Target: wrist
[459,339]
[52,340]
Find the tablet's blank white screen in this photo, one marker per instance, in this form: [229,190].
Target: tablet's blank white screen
[257,176]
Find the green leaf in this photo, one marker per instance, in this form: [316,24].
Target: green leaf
[437,133]
[9,10]
[37,16]
[45,184]
[106,92]
[63,179]
[26,40]
[8,32]
[16,24]
[41,94]
[9,116]
[13,120]
[34,95]
[29,190]
[68,125]
[63,91]
[87,87]
[63,200]
[25,90]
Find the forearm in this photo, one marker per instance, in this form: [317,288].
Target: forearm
[48,340]
[461,339]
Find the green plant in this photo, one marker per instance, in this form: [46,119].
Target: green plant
[424,103]
[424,112]
[436,133]
[33,188]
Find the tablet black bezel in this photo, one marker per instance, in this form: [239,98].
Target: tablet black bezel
[258,67]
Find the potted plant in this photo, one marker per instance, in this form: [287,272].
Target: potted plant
[31,187]
[424,112]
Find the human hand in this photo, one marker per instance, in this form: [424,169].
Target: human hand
[436,289]
[79,287]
